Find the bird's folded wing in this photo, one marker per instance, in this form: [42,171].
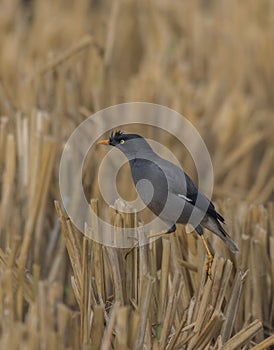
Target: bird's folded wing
[181,184]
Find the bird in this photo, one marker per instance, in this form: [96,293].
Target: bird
[173,197]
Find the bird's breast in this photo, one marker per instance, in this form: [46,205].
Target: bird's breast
[151,183]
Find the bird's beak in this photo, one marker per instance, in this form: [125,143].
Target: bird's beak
[103,142]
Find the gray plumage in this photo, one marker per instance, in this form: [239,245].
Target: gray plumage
[167,190]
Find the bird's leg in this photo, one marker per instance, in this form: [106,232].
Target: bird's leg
[200,231]
[158,234]
[209,256]
[131,250]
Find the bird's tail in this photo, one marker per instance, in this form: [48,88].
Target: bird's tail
[214,226]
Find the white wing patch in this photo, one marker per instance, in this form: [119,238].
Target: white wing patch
[184,197]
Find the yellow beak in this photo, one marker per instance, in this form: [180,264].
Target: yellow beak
[103,142]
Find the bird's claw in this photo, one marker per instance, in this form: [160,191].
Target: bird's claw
[209,266]
[157,234]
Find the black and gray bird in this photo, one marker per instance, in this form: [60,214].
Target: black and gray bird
[168,191]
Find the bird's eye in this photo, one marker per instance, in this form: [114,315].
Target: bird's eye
[122,142]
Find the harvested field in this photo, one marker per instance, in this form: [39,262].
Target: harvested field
[61,61]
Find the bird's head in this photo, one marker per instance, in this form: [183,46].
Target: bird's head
[129,144]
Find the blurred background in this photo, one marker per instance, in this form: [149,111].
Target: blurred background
[62,60]
[211,61]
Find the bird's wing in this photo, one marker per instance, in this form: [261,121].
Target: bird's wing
[192,193]
[182,185]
